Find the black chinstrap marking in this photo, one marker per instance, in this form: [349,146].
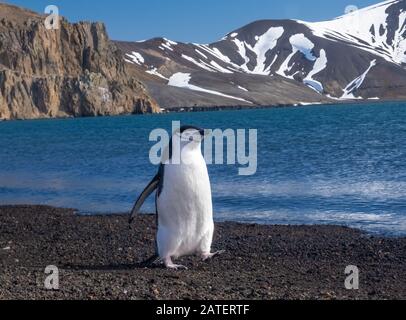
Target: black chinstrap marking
[191,139]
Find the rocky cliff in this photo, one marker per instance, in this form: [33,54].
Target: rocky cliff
[73,71]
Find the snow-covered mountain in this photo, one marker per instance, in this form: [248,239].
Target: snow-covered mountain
[379,29]
[361,55]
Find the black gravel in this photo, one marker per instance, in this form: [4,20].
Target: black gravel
[99,257]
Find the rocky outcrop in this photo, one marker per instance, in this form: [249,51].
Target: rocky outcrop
[73,71]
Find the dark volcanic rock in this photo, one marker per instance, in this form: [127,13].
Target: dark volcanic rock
[100,258]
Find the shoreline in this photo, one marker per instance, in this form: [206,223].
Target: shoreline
[277,106]
[222,108]
[99,257]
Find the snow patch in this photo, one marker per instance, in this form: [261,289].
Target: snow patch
[202,54]
[171,42]
[154,71]
[181,80]
[265,43]
[241,47]
[356,84]
[299,43]
[168,44]
[135,57]
[220,68]
[399,54]
[220,55]
[319,65]
[199,64]
[242,88]
[216,53]
[308,103]
[165,45]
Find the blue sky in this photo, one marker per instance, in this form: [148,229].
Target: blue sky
[200,21]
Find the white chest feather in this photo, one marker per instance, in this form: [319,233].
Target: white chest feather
[185,209]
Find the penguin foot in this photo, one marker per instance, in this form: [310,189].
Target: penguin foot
[151,261]
[170,265]
[209,256]
[176,267]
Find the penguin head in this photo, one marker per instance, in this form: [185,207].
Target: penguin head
[191,135]
[187,138]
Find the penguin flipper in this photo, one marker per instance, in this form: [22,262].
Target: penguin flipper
[153,185]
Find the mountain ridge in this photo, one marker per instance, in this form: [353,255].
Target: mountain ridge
[336,60]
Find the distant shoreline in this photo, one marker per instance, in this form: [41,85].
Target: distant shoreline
[99,257]
[279,106]
[222,108]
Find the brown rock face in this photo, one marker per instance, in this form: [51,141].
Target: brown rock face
[73,71]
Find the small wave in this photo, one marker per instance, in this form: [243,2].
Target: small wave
[326,188]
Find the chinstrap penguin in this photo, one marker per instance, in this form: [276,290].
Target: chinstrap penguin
[183,200]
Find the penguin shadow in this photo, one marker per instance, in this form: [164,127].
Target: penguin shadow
[151,264]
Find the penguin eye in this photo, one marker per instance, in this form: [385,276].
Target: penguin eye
[191,139]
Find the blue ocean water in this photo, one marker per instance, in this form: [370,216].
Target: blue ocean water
[343,164]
